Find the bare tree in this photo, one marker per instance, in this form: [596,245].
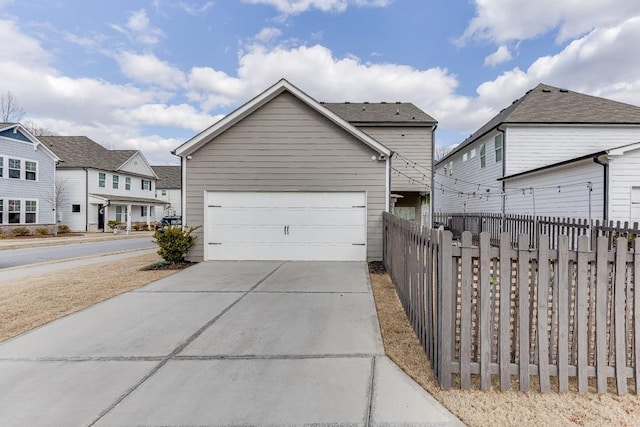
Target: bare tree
[57,198]
[10,110]
[442,151]
[38,130]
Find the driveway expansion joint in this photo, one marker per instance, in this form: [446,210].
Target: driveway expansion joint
[370,386]
[279,357]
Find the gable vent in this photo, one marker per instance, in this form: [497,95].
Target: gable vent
[546,90]
[564,91]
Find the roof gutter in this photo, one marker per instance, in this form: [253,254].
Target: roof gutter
[605,190]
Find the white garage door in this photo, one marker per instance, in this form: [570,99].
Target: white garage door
[286,226]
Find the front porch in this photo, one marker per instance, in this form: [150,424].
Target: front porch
[106,211]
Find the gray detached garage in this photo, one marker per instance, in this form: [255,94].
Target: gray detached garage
[284,178]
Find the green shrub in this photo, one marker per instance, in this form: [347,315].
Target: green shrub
[63,229]
[113,224]
[21,231]
[42,231]
[174,242]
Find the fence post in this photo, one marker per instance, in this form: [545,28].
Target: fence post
[543,310]
[619,302]
[505,311]
[602,283]
[485,312]
[582,282]
[445,286]
[523,310]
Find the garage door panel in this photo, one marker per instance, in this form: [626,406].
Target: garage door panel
[286,226]
[286,216]
[303,251]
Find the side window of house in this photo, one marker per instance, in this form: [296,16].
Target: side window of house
[116,181]
[30,169]
[146,184]
[127,183]
[1,211]
[143,211]
[14,211]
[1,166]
[102,179]
[497,141]
[483,155]
[75,208]
[164,192]
[119,213]
[451,168]
[31,210]
[14,168]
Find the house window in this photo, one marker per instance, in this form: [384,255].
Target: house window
[146,184]
[115,182]
[1,211]
[143,211]
[497,141]
[30,170]
[473,153]
[450,168]
[119,213]
[14,211]
[483,155]
[75,208]
[164,192]
[31,209]
[14,168]
[127,183]
[102,179]
[465,157]
[1,166]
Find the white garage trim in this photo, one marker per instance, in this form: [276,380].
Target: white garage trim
[285,226]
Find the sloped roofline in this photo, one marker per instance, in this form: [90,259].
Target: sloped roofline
[36,142]
[263,98]
[143,159]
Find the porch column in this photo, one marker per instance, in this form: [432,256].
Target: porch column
[128,218]
[149,215]
[105,209]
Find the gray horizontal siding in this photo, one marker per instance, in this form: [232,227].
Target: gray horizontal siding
[413,143]
[286,146]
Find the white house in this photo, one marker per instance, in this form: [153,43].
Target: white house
[169,190]
[27,176]
[553,152]
[98,185]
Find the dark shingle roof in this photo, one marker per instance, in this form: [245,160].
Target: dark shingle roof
[168,177]
[552,105]
[80,151]
[369,113]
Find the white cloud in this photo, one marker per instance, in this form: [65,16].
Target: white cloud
[503,54]
[195,9]
[18,46]
[138,28]
[501,21]
[267,35]
[294,7]
[148,69]
[182,115]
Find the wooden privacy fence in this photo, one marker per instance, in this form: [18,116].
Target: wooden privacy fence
[534,226]
[506,313]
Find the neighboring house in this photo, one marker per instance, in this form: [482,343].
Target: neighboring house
[408,132]
[285,177]
[27,176]
[169,190]
[553,152]
[98,185]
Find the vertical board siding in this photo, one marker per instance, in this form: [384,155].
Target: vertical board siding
[555,314]
[286,146]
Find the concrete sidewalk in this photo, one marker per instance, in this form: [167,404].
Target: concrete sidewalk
[221,343]
[35,242]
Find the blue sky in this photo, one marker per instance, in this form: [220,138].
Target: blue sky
[150,74]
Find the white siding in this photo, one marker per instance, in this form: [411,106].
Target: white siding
[173,197]
[72,185]
[286,146]
[558,192]
[137,165]
[466,188]
[532,147]
[136,185]
[624,174]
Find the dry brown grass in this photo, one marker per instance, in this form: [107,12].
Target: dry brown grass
[28,303]
[493,407]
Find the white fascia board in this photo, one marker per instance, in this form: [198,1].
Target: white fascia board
[283,85]
[143,158]
[36,142]
[619,151]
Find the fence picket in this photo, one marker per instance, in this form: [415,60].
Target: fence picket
[602,281]
[446,333]
[465,312]
[543,310]
[486,334]
[523,310]
[563,313]
[582,281]
[636,311]
[619,296]
[505,311]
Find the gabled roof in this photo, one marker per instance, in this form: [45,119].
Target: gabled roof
[37,142]
[81,151]
[546,104]
[169,177]
[380,113]
[245,110]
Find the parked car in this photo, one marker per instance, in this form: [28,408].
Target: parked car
[168,220]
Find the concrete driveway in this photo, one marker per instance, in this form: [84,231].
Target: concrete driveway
[221,343]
